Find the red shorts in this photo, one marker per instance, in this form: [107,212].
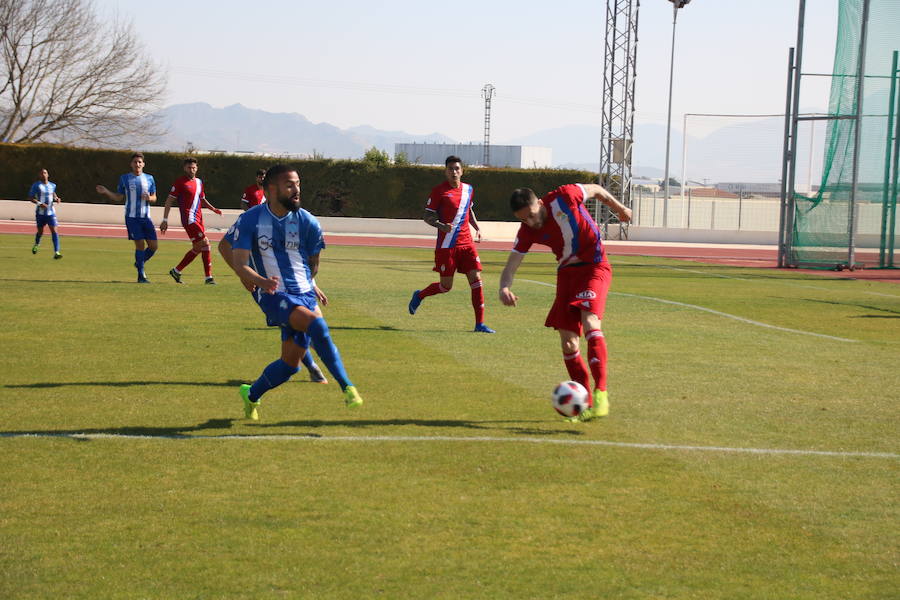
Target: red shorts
[448,261]
[579,288]
[195,231]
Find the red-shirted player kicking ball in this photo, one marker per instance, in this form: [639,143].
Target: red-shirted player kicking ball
[449,209]
[188,192]
[560,221]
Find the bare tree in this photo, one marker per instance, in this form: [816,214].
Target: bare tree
[66,77]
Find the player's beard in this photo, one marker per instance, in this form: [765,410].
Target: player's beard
[290,204]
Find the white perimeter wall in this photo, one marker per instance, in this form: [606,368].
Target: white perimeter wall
[21,210]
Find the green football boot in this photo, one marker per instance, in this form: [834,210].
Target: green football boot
[352,397]
[250,407]
[601,404]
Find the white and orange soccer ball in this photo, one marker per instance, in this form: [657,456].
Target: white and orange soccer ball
[570,399]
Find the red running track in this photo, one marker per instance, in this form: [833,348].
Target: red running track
[732,255]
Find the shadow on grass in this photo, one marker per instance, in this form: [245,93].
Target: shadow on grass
[891,312]
[508,425]
[338,327]
[86,281]
[133,431]
[188,431]
[56,384]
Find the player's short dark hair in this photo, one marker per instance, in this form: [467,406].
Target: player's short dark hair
[452,159]
[275,171]
[139,155]
[189,160]
[260,172]
[521,197]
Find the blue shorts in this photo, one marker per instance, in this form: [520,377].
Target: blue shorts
[278,308]
[45,220]
[140,228]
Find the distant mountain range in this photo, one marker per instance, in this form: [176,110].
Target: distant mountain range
[238,128]
[738,150]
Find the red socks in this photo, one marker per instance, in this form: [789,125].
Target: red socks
[188,258]
[207,262]
[478,301]
[432,289]
[577,369]
[597,357]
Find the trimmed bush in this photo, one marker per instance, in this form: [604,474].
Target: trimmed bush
[330,187]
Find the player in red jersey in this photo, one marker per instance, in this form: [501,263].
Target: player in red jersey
[449,209]
[187,191]
[560,221]
[254,194]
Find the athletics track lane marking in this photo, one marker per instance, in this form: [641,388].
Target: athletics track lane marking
[441,438]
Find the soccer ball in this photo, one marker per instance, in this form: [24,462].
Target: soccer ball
[570,399]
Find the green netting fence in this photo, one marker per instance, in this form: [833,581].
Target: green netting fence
[830,222]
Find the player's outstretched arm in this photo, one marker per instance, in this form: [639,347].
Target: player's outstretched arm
[594,190]
[240,263]
[320,295]
[228,256]
[313,262]
[431,218]
[206,204]
[164,224]
[103,191]
[474,223]
[506,278]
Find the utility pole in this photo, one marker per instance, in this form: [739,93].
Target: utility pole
[487,92]
[617,122]
[676,4]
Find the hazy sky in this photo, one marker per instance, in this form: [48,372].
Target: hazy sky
[419,66]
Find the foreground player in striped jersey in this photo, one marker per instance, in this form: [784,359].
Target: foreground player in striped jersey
[138,190]
[226,250]
[275,252]
[449,209]
[43,193]
[561,221]
[188,193]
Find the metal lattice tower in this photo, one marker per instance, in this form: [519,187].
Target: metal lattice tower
[617,125]
[487,92]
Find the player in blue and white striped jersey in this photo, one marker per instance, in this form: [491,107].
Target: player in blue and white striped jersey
[275,251]
[137,190]
[43,193]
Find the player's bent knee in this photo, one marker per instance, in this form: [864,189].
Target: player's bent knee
[301,317]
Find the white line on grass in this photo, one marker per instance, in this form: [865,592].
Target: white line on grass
[444,438]
[781,281]
[715,312]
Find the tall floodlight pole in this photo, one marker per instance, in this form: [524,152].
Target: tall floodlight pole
[676,4]
[617,122]
[487,92]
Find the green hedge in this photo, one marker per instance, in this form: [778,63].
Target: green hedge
[330,187]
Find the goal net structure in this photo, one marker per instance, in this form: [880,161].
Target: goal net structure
[850,219]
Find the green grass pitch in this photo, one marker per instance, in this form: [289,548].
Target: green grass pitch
[455,479]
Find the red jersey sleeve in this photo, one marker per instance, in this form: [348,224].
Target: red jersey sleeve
[524,239]
[434,200]
[177,188]
[572,191]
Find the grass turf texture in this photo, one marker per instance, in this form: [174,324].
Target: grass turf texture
[88,350]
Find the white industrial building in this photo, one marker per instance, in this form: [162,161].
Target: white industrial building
[518,157]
